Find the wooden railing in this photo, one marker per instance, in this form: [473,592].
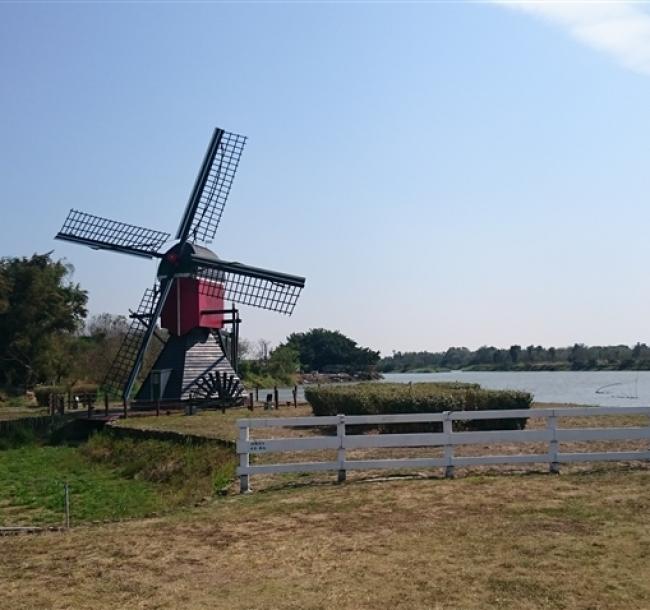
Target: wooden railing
[447,439]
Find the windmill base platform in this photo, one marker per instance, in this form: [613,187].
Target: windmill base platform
[190,368]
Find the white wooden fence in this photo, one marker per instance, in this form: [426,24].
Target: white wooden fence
[447,439]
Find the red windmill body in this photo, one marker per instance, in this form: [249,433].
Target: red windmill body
[193,303]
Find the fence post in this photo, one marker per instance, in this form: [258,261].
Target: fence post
[295,396]
[340,454]
[250,401]
[276,399]
[244,461]
[447,428]
[66,505]
[551,425]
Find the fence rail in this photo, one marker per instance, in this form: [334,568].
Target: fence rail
[447,439]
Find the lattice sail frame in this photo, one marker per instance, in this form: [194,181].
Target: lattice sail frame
[122,365]
[247,290]
[103,233]
[212,188]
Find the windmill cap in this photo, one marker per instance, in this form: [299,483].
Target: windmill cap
[178,259]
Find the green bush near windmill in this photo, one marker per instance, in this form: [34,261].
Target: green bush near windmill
[384,398]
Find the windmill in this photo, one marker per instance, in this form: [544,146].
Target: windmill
[189,294]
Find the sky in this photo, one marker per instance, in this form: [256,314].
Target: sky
[442,173]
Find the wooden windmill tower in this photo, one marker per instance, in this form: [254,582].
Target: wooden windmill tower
[190,294]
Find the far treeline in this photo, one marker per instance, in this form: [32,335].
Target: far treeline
[47,337]
[578,357]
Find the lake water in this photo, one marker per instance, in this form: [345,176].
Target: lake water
[601,388]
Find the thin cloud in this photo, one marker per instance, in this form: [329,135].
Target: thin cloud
[620,29]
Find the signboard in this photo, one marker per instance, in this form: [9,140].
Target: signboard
[257,446]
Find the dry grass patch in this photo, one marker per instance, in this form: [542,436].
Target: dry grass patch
[211,424]
[579,541]
[9,412]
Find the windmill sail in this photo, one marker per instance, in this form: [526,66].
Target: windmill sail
[212,187]
[105,234]
[118,375]
[250,285]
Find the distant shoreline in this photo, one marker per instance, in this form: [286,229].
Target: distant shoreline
[519,369]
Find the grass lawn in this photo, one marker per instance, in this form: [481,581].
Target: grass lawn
[31,484]
[518,542]
[109,479]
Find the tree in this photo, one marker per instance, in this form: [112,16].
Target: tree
[41,307]
[515,350]
[529,352]
[4,293]
[320,349]
[456,357]
[95,350]
[484,355]
[106,325]
[263,349]
[244,348]
[283,363]
[579,356]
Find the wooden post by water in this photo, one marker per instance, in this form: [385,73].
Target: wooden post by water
[250,401]
[295,396]
[257,393]
[275,397]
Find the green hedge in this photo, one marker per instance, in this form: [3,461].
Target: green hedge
[42,393]
[87,392]
[380,398]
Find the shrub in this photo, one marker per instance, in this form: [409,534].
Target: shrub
[380,398]
[42,393]
[87,393]
[85,388]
